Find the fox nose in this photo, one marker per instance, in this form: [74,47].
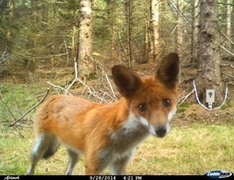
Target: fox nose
[161,131]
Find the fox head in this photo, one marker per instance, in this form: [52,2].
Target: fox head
[151,100]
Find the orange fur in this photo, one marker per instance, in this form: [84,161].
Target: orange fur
[107,134]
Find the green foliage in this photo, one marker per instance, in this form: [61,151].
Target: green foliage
[183,107]
[227,104]
[13,159]
[41,33]
[91,76]
[38,31]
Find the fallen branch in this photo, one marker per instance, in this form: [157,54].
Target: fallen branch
[230,83]
[185,97]
[91,91]
[226,50]
[227,74]
[108,95]
[56,86]
[75,79]
[18,134]
[9,109]
[47,92]
[227,37]
[107,78]
[229,65]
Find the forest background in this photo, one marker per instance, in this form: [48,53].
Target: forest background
[70,46]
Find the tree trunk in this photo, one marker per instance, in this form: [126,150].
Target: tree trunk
[11,19]
[85,50]
[128,6]
[74,43]
[196,30]
[209,70]
[229,24]
[113,16]
[146,48]
[154,35]
[179,35]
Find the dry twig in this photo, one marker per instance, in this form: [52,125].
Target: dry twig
[9,109]
[228,74]
[110,86]
[229,65]
[18,134]
[100,95]
[47,92]
[185,97]
[56,86]
[226,50]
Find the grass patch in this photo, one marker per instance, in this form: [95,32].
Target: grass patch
[15,100]
[183,107]
[12,153]
[192,150]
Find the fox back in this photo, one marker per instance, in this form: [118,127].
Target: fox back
[107,134]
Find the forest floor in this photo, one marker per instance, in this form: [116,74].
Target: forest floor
[200,140]
[189,111]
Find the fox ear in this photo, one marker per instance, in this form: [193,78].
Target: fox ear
[126,81]
[168,70]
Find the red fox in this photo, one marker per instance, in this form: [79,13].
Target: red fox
[107,134]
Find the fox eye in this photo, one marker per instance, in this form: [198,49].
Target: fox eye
[166,102]
[142,107]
